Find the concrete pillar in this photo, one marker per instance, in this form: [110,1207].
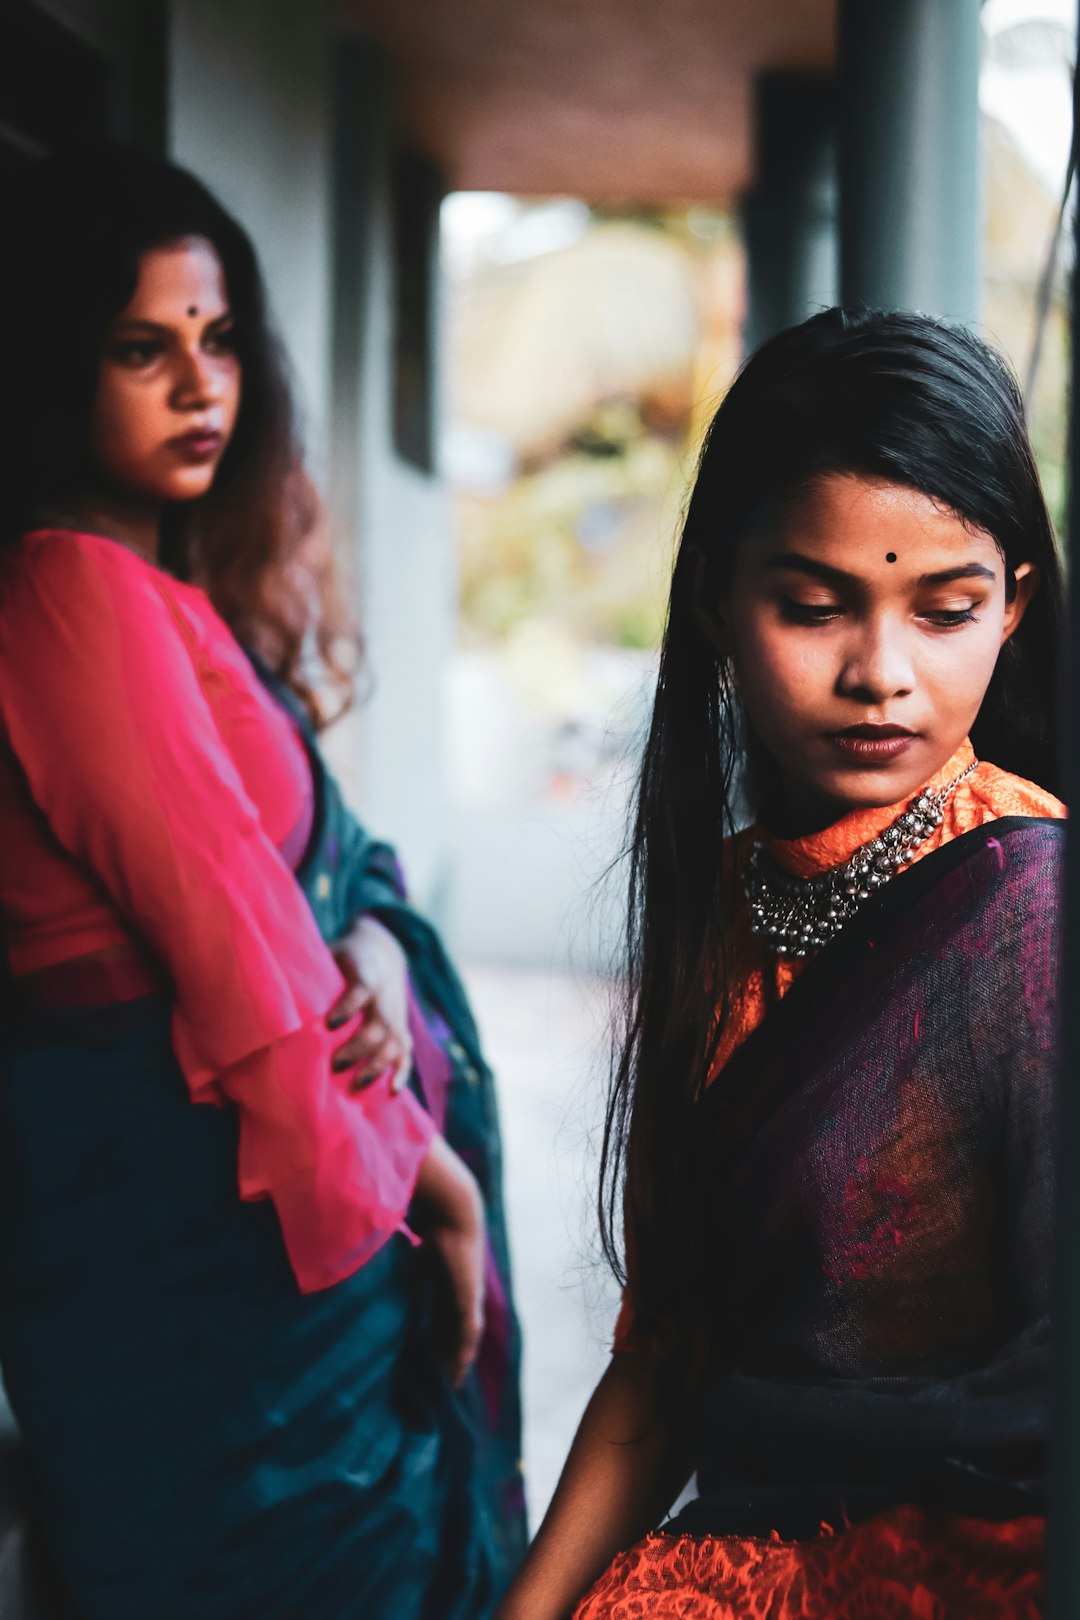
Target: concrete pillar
[790,216]
[909,154]
[360,158]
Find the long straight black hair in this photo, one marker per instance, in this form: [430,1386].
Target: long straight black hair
[894,396]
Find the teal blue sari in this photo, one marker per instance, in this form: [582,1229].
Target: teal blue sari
[345,874]
[205,1440]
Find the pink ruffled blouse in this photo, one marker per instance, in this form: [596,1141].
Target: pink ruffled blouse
[148,786]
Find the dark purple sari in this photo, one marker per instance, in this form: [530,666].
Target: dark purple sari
[877,1160]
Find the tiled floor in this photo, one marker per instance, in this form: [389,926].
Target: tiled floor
[547,1040]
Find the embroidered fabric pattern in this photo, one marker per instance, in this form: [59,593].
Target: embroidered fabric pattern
[902,1565]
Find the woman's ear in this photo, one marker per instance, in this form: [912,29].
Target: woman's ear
[1025,584]
[710,621]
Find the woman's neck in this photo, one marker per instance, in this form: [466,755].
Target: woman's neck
[797,816]
[789,814]
[132,523]
[786,810]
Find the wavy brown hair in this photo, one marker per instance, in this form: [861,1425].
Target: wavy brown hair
[257,541]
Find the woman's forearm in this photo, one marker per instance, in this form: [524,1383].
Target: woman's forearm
[624,1470]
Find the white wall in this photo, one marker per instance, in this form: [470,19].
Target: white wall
[408,591]
[251,112]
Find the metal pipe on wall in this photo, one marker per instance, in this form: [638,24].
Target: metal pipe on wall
[1064,1544]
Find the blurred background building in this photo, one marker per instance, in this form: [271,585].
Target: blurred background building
[516,253]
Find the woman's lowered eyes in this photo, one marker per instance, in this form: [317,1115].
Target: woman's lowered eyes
[943,618]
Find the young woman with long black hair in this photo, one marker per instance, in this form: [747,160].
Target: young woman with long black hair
[829,1127]
[242,1389]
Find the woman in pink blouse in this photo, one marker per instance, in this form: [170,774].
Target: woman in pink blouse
[215,1329]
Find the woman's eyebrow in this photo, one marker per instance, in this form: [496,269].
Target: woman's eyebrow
[137,323]
[946,576]
[797,563]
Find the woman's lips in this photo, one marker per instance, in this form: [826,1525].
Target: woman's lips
[874,744]
[197,447]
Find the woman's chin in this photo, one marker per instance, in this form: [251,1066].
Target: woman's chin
[152,490]
[190,485]
[824,796]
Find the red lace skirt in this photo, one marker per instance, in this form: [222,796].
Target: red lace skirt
[902,1565]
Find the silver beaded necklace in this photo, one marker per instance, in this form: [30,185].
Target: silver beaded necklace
[798,915]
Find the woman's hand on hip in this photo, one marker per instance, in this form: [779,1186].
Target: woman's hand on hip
[450,1216]
[376,976]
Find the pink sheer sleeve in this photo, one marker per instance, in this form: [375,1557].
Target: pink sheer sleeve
[102,706]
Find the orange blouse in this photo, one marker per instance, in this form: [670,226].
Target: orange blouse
[760,978]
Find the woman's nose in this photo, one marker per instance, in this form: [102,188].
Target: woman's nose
[195,384]
[877,665]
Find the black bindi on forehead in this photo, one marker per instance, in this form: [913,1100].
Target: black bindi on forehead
[890,556]
[193,309]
